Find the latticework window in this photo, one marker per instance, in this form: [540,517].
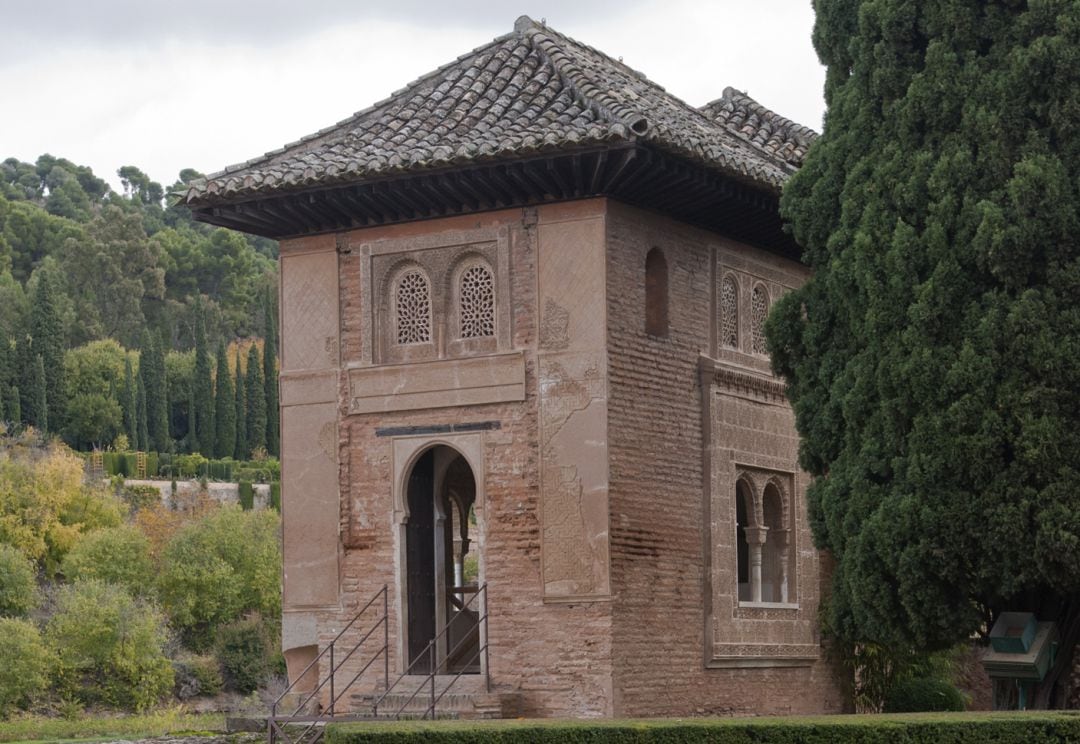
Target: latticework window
[759,309]
[729,313]
[412,308]
[476,302]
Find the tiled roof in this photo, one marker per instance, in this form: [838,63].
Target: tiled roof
[530,91]
[768,131]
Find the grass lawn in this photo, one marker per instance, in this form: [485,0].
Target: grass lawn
[89,727]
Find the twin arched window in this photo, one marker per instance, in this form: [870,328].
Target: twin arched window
[763,543]
[473,297]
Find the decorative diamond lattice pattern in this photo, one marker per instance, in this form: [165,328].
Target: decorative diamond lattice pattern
[759,308]
[477,302]
[413,308]
[729,313]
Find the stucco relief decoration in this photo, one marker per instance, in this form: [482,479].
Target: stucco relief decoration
[412,306]
[477,302]
[729,313]
[759,309]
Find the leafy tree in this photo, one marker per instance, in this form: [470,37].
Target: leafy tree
[26,663]
[14,307]
[934,356]
[109,647]
[270,377]
[18,584]
[256,402]
[241,452]
[44,504]
[179,373]
[202,398]
[219,568]
[224,406]
[129,402]
[115,555]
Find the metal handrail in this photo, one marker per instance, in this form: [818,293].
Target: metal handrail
[276,724]
[429,651]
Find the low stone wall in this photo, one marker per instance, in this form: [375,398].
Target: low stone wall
[223,493]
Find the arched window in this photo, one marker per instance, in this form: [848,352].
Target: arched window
[774,559]
[476,302]
[656,293]
[412,308]
[759,310]
[729,313]
[744,507]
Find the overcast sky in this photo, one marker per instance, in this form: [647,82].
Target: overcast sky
[207,83]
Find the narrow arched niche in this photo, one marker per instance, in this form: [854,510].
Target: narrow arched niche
[656,293]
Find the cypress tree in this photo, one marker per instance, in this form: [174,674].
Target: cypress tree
[25,368]
[142,430]
[47,332]
[40,395]
[270,377]
[152,370]
[224,406]
[202,401]
[241,451]
[129,403]
[256,402]
[933,357]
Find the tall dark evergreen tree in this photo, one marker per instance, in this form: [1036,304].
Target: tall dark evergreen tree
[129,403]
[224,406]
[47,331]
[41,396]
[14,406]
[152,371]
[25,370]
[256,402]
[241,451]
[933,358]
[142,430]
[270,376]
[202,401]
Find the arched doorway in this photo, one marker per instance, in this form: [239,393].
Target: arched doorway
[442,565]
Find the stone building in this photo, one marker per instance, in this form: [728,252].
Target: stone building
[521,314]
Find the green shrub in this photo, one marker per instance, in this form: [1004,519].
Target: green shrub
[131,464]
[115,555]
[24,665]
[109,647]
[152,464]
[140,497]
[18,586]
[197,675]
[244,650]
[191,466]
[1037,728]
[275,496]
[923,695]
[247,495]
[218,568]
[113,463]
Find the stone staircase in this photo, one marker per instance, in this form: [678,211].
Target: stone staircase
[468,700]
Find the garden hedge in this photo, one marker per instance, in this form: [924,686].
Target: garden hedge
[916,728]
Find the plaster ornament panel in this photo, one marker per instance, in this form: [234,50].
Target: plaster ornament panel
[309,311]
[412,308]
[729,312]
[476,302]
[759,310]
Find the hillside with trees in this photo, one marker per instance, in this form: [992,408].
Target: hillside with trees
[119,314]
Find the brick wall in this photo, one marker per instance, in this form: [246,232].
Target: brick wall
[658,533]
